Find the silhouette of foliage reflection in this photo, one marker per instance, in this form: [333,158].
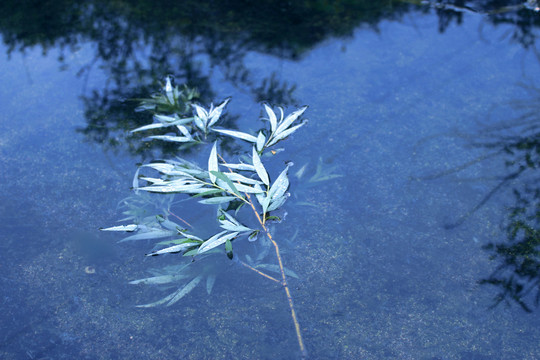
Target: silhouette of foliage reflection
[136,42]
[518,275]
[517,143]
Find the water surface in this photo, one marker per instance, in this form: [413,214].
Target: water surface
[424,112]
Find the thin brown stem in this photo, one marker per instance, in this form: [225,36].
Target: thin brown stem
[260,272]
[284,283]
[179,218]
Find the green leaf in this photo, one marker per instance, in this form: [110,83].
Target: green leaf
[165,119]
[261,139]
[159,302]
[237,134]
[158,280]
[248,189]
[285,133]
[271,117]
[216,112]
[213,163]
[216,240]
[218,200]
[148,127]
[169,138]
[228,249]
[163,168]
[261,171]
[278,202]
[275,268]
[128,228]
[191,252]
[280,185]
[185,290]
[210,281]
[241,166]
[228,225]
[174,187]
[173,249]
[242,178]
[290,119]
[221,176]
[228,246]
[209,192]
[153,234]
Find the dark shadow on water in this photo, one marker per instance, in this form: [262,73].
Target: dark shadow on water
[137,43]
[516,144]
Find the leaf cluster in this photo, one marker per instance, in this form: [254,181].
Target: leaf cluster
[228,185]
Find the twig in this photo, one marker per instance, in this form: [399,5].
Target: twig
[259,272]
[282,271]
[179,218]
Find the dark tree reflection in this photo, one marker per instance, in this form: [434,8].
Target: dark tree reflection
[138,43]
[518,274]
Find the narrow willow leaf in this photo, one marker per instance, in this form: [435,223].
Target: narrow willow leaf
[282,135]
[275,268]
[252,237]
[179,122]
[216,113]
[169,225]
[265,204]
[260,196]
[169,90]
[216,240]
[184,131]
[230,186]
[199,123]
[154,181]
[201,112]
[261,171]
[248,189]
[158,280]
[161,167]
[210,281]
[261,140]
[185,290]
[159,302]
[290,119]
[209,192]
[135,183]
[276,203]
[222,213]
[148,127]
[173,249]
[174,188]
[192,237]
[237,134]
[241,166]
[242,178]
[213,163]
[218,200]
[191,252]
[301,171]
[271,117]
[165,119]
[153,234]
[228,225]
[129,228]
[169,138]
[280,185]
[228,246]
[325,178]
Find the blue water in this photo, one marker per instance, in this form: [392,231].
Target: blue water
[389,255]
